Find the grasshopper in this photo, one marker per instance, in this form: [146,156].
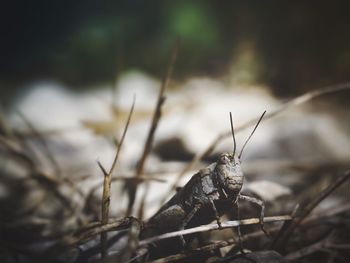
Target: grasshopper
[208,195]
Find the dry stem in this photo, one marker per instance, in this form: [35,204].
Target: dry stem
[106,195]
[215,245]
[43,142]
[210,227]
[149,141]
[284,237]
[254,235]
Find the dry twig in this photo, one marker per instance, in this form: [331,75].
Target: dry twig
[106,195]
[220,244]
[326,244]
[284,237]
[132,188]
[47,181]
[213,246]
[210,227]
[85,234]
[43,143]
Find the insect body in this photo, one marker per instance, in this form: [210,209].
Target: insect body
[209,194]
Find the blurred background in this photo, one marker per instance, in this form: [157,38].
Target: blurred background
[291,46]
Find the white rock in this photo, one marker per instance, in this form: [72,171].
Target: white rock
[268,190]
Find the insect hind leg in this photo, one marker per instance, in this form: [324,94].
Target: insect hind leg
[187,219]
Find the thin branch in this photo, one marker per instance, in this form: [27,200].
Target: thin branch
[284,227]
[220,244]
[48,154]
[210,227]
[157,112]
[124,178]
[92,230]
[329,212]
[43,143]
[308,250]
[49,182]
[127,179]
[123,136]
[15,150]
[308,209]
[214,246]
[106,195]
[155,120]
[291,103]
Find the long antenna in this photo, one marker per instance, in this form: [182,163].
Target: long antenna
[250,136]
[233,135]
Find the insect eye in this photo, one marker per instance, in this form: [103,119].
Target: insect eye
[224,159]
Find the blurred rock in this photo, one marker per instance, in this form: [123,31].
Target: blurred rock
[268,190]
[173,149]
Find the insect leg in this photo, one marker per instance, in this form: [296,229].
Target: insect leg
[188,219]
[217,217]
[262,211]
[239,233]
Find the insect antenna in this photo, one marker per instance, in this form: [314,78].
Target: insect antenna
[250,136]
[233,135]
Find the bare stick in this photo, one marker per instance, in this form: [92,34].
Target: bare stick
[123,136]
[94,229]
[125,178]
[106,195]
[195,251]
[155,119]
[157,113]
[43,142]
[308,209]
[308,250]
[291,103]
[284,227]
[49,182]
[215,245]
[210,227]
[49,154]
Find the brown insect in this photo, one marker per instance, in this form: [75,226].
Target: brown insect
[208,195]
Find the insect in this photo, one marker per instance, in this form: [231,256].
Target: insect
[208,195]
